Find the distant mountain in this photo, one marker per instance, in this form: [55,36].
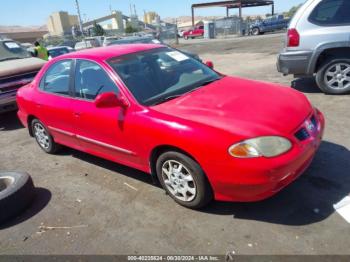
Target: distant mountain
[17,28]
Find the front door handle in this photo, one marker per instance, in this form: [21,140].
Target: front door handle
[77,114]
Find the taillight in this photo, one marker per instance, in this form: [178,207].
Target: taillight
[293,38]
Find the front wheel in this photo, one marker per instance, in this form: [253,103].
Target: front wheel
[333,77]
[255,31]
[184,180]
[43,137]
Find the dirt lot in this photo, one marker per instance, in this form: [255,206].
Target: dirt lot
[108,217]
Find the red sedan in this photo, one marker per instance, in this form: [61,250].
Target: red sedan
[203,135]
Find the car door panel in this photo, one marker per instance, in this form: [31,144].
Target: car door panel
[100,131]
[54,104]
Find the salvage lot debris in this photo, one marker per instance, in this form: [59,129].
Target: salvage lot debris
[133,188]
[43,228]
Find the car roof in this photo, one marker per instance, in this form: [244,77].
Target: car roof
[104,53]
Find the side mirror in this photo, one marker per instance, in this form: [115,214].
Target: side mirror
[210,64]
[110,99]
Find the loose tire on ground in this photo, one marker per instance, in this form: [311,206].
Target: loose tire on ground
[16,193]
[43,137]
[203,192]
[325,73]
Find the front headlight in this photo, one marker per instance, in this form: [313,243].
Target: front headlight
[267,146]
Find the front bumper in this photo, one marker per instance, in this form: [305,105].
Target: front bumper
[294,62]
[248,180]
[8,101]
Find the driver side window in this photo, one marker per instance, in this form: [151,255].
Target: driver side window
[92,80]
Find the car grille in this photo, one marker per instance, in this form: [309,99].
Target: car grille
[10,84]
[308,129]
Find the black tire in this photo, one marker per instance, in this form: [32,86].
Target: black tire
[52,147]
[256,31]
[204,193]
[16,193]
[320,76]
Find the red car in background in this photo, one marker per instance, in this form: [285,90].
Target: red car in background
[203,135]
[198,31]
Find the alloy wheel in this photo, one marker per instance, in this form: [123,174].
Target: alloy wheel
[41,136]
[337,76]
[179,180]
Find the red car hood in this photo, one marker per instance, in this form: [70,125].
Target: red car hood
[242,106]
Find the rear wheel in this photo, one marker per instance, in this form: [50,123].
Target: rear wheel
[184,180]
[255,31]
[43,137]
[333,77]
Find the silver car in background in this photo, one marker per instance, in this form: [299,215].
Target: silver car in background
[318,43]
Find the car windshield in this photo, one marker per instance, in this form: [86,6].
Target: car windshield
[161,74]
[10,50]
[58,51]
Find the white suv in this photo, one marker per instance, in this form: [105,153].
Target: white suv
[318,43]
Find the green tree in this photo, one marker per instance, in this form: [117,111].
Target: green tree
[130,29]
[292,11]
[98,30]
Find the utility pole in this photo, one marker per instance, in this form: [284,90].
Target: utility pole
[176,33]
[79,17]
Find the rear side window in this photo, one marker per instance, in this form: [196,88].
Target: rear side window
[57,77]
[331,13]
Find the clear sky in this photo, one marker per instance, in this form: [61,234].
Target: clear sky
[26,12]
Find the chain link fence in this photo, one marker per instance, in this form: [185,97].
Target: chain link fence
[232,26]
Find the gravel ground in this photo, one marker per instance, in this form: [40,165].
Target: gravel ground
[104,215]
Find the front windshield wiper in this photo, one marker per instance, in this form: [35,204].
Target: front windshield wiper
[10,58]
[201,84]
[207,82]
[168,98]
[204,83]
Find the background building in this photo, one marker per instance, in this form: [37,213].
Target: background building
[115,22]
[60,23]
[151,18]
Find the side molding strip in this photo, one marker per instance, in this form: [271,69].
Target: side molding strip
[105,145]
[61,131]
[125,151]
